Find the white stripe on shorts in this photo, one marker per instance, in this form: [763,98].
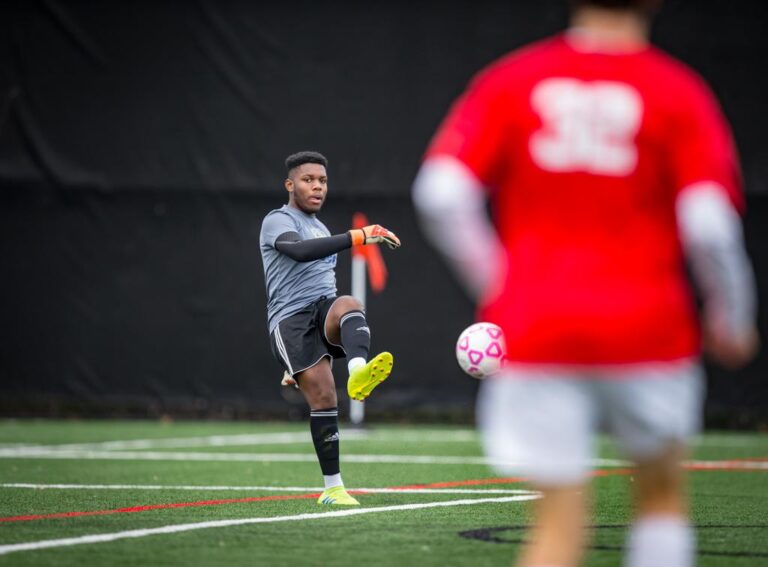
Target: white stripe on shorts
[281,349]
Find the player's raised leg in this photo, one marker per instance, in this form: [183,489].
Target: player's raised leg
[346,325]
[319,389]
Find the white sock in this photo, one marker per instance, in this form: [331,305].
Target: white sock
[660,541]
[356,363]
[332,480]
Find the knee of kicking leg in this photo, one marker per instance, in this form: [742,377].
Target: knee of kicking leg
[347,303]
[343,305]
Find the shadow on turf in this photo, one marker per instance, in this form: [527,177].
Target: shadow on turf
[500,535]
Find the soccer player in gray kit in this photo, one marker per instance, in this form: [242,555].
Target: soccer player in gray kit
[309,325]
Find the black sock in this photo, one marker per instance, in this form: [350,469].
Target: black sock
[355,335]
[324,424]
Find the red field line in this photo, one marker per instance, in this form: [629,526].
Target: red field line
[148,507]
[133,509]
[731,465]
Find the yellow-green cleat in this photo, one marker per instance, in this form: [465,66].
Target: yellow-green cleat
[337,496]
[363,380]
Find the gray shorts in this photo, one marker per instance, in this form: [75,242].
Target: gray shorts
[541,421]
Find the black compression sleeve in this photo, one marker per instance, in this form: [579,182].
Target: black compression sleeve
[312,249]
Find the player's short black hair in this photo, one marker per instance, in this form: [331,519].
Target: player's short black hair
[300,158]
[642,6]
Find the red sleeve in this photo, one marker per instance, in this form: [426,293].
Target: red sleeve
[702,146]
[472,131]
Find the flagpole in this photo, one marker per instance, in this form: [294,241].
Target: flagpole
[357,408]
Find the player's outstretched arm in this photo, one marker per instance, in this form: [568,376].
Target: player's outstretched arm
[374,234]
[290,244]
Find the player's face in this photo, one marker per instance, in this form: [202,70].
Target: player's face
[307,186]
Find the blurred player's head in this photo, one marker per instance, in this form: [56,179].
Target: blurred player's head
[622,23]
[644,8]
[307,181]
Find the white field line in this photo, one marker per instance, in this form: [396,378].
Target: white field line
[309,489]
[45,453]
[283,438]
[178,528]
[424,436]
[277,438]
[734,464]
[351,435]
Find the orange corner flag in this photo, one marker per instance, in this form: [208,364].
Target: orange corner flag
[377,270]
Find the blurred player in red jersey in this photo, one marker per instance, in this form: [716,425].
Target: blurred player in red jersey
[606,162]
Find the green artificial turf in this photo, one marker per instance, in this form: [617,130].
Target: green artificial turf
[729,506]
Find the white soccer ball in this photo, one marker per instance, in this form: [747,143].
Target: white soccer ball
[481,349]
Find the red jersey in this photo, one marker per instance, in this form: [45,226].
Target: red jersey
[584,154]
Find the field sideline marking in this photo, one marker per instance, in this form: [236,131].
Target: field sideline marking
[276,438]
[272,438]
[178,528]
[37,453]
[201,503]
[318,489]
[45,453]
[447,487]
[297,437]
[150,507]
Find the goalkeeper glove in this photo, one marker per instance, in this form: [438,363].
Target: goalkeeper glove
[374,234]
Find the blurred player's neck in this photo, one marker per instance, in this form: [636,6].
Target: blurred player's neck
[595,29]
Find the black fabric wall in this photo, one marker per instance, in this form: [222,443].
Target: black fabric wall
[141,143]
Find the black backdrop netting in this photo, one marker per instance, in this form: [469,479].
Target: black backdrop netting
[141,143]
[213,95]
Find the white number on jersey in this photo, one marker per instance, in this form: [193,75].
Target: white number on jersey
[586,126]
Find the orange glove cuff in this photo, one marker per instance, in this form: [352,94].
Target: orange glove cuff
[357,236]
